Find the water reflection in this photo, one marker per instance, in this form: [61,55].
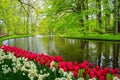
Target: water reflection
[100,53]
[115,55]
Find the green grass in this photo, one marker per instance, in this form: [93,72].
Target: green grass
[104,37]
[110,37]
[2,38]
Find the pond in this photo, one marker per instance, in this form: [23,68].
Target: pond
[102,53]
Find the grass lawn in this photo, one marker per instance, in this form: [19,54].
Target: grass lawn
[106,37]
[2,38]
[102,37]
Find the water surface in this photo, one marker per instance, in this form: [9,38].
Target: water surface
[103,53]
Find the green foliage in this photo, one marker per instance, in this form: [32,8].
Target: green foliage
[60,16]
[79,17]
[109,76]
[67,24]
[43,27]
[80,72]
[19,16]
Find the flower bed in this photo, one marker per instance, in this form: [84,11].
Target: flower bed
[20,64]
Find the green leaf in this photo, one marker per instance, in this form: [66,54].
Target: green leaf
[80,72]
[109,76]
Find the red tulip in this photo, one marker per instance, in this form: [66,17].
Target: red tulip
[94,70]
[104,74]
[64,68]
[98,74]
[81,65]
[75,63]
[84,73]
[86,68]
[70,66]
[90,65]
[76,68]
[75,73]
[58,58]
[102,78]
[116,70]
[37,59]
[62,65]
[117,75]
[85,62]
[112,71]
[40,61]
[105,69]
[48,64]
[97,68]
[92,75]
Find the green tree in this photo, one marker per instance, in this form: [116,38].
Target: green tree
[116,16]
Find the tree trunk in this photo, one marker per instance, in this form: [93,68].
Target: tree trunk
[0,31]
[119,16]
[80,8]
[86,16]
[27,24]
[107,15]
[116,17]
[99,14]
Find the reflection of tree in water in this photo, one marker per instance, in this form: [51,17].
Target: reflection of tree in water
[51,46]
[111,60]
[104,58]
[71,49]
[84,50]
[115,55]
[28,44]
[107,57]
[68,48]
[99,53]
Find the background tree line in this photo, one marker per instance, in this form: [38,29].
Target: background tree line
[59,16]
[84,16]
